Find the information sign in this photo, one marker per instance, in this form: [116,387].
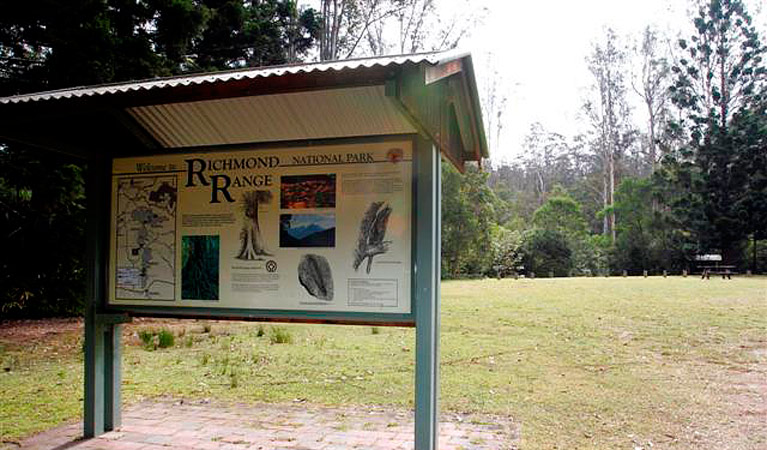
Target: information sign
[308,229]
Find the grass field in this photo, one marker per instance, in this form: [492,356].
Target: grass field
[580,363]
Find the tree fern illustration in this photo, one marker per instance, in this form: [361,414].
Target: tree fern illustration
[199,270]
[251,242]
[372,232]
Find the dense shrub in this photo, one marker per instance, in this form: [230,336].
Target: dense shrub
[547,251]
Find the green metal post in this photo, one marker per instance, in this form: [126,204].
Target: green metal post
[426,279]
[112,377]
[101,408]
[93,408]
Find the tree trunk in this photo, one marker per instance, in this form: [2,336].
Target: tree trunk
[605,203]
[612,195]
[653,155]
[724,100]
[251,241]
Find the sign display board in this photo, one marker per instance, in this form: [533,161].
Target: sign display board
[307,229]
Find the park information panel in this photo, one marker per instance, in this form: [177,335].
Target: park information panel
[307,229]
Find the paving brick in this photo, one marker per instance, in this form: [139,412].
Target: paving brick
[170,425]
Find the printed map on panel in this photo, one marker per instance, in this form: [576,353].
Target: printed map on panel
[146,237]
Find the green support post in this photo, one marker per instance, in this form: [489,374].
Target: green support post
[93,408]
[101,408]
[112,376]
[426,279]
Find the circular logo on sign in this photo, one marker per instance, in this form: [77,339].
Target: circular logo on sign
[271,266]
[394,155]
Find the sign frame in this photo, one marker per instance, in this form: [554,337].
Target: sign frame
[275,315]
[103,322]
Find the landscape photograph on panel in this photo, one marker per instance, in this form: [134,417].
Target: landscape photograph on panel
[307,230]
[308,191]
[320,228]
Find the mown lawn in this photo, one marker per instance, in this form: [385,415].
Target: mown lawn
[579,363]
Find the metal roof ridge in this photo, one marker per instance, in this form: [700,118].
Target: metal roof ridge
[433,57]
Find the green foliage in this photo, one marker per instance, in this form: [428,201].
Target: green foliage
[720,87]
[635,247]
[756,254]
[468,214]
[165,338]
[561,213]
[152,339]
[559,241]
[721,69]
[147,338]
[238,34]
[748,131]
[56,44]
[41,232]
[648,238]
[280,335]
[507,251]
[77,42]
[547,251]
[706,195]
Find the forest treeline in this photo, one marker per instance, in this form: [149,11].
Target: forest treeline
[690,181]
[615,197]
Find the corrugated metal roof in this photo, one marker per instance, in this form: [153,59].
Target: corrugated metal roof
[358,111]
[208,78]
[350,98]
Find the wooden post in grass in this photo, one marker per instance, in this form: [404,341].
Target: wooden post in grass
[644,273]
[748,272]
[625,274]
[532,275]
[684,273]
[665,273]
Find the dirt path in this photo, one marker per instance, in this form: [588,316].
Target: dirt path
[745,394]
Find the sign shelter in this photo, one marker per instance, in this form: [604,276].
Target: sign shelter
[297,193]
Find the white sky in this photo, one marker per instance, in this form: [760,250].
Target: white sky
[539,47]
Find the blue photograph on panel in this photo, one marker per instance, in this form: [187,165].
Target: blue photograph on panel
[307,230]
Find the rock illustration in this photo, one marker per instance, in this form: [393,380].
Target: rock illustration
[315,276]
[372,232]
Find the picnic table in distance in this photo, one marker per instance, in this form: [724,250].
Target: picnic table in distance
[725,271]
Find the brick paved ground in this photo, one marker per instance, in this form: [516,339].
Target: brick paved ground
[172,425]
